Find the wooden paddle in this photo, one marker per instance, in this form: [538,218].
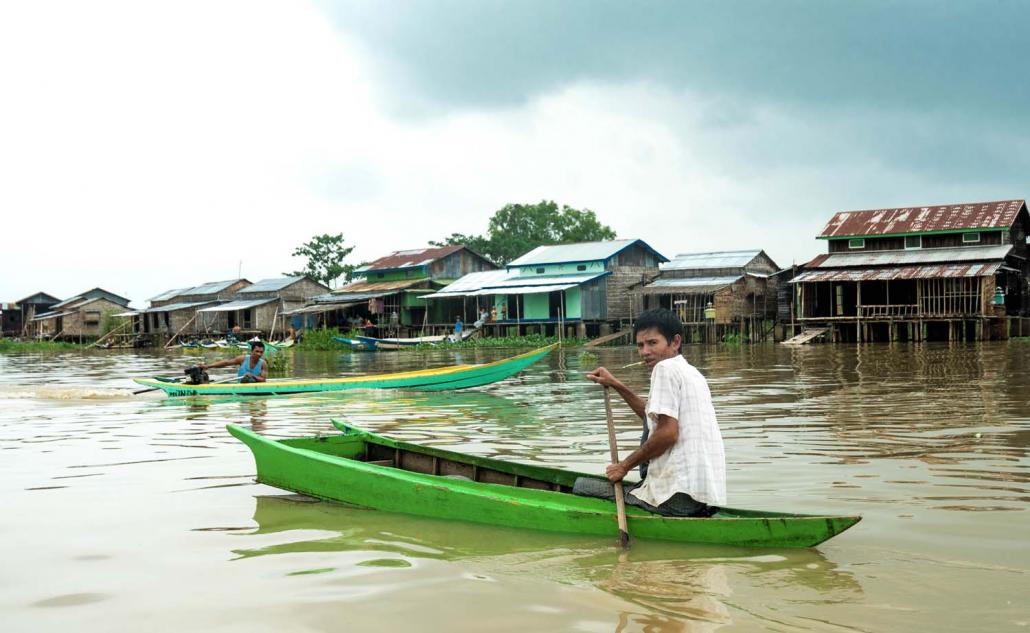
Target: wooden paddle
[620,499]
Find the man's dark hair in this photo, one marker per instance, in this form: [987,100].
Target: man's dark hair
[665,321]
[257,344]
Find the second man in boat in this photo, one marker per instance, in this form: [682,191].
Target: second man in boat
[252,366]
[681,457]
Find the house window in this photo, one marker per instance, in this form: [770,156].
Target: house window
[913,241]
[856,243]
[970,238]
[92,317]
[581,267]
[539,271]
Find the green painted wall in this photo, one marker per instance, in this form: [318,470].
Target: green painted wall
[412,300]
[573,303]
[568,268]
[536,306]
[397,275]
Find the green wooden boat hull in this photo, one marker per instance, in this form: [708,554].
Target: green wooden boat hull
[437,379]
[368,470]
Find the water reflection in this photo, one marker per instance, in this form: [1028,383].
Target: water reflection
[680,587]
[929,442]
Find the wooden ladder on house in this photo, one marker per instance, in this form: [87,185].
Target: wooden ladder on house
[807,336]
[609,338]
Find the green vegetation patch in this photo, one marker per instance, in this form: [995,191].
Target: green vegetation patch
[10,345]
[529,340]
[322,340]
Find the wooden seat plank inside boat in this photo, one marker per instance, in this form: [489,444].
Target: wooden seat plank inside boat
[418,462]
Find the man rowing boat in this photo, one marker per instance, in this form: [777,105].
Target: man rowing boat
[681,457]
[253,367]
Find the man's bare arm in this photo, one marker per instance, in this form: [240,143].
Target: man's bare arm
[666,432]
[605,378]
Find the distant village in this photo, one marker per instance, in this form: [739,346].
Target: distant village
[944,273]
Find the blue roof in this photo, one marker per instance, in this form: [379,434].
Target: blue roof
[271,285]
[581,252]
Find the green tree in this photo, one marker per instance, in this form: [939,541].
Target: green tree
[325,255]
[516,229]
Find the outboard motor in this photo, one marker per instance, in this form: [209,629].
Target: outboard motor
[197,376]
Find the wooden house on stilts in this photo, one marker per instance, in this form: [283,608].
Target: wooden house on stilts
[582,289]
[953,272]
[718,294]
[79,318]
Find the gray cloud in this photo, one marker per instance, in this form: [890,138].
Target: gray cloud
[915,54]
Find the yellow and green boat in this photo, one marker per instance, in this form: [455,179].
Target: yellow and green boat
[368,470]
[437,379]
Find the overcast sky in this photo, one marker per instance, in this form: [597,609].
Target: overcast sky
[148,146]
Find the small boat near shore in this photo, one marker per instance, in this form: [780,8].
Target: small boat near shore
[372,343]
[436,379]
[363,469]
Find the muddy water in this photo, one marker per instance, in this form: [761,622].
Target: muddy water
[124,512]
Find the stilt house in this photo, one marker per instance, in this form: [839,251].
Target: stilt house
[79,317]
[920,273]
[390,290]
[176,311]
[718,293]
[587,285]
[18,316]
[260,309]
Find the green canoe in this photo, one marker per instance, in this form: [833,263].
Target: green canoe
[437,379]
[368,470]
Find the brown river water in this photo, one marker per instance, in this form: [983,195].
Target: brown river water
[129,512]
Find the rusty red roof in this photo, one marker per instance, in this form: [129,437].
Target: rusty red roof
[408,259]
[910,220]
[978,269]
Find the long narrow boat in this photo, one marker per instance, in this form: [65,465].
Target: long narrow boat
[368,470]
[374,343]
[437,379]
[354,343]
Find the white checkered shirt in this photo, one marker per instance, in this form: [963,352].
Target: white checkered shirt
[696,463]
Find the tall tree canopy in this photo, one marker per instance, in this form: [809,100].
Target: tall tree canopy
[325,255]
[516,229]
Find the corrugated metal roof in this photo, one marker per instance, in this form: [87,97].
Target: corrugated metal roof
[954,217]
[901,272]
[95,293]
[914,256]
[50,315]
[378,286]
[350,297]
[210,288]
[323,307]
[412,258]
[522,290]
[470,283]
[689,285]
[168,294]
[503,282]
[581,252]
[38,298]
[172,307]
[271,285]
[239,304]
[717,259]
